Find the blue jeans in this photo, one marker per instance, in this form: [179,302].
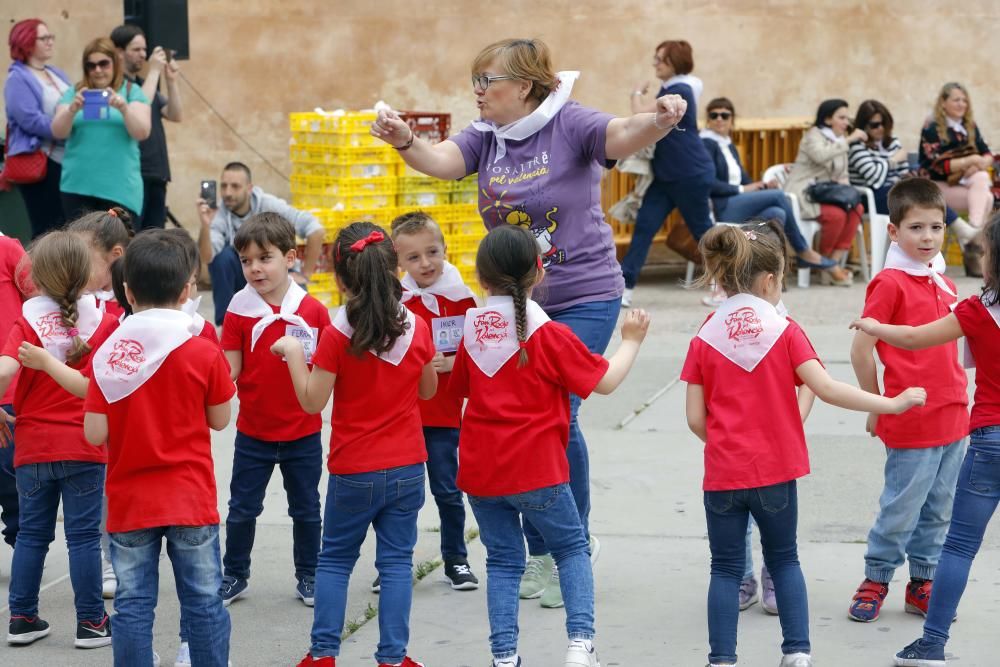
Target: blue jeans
[442,469]
[80,486]
[975,502]
[301,464]
[593,323]
[775,509]
[194,556]
[227,279]
[8,487]
[914,511]
[691,197]
[389,501]
[553,510]
[765,204]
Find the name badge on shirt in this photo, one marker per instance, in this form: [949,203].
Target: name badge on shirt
[308,344]
[447,332]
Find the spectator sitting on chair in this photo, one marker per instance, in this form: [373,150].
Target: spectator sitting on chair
[240,200]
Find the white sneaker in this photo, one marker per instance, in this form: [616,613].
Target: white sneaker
[581,653]
[796,660]
[595,549]
[110,582]
[156,659]
[183,656]
[627,297]
[509,662]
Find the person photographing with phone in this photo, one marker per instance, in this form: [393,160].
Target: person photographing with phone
[103,118]
[130,41]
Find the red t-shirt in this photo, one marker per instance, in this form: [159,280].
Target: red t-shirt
[160,469]
[516,424]
[755,435]
[445,409]
[269,409]
[49,418]
[376,421]
[208,333]
[11,298]
[895,297]
[983,334]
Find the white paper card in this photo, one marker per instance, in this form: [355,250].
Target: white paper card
[307,337]
[447,332]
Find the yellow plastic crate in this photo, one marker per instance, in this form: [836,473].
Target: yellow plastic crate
[423,184]
[422,200]
[344,187]
[349,122]
[355,201]
[463,243]
[345,161]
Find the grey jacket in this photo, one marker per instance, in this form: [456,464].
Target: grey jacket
[819,159]
[225,223]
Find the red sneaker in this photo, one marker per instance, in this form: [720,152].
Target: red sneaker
[309,661]
[407,662]
[867,601]
[918,596]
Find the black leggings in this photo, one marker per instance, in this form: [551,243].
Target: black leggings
[75,205]
[41,199]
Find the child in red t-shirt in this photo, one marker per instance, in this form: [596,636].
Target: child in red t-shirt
[161,476]
[518,369]
[434,291]
[924,449]
[978,319]
[376,358]
[108,234]
[52,459]
[272,429]
[742,370]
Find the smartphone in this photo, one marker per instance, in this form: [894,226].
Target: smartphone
[208,193]
[95,104]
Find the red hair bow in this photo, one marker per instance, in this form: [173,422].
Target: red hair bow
[374,237]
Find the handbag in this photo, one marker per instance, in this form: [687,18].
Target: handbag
[835,194]
[24,168]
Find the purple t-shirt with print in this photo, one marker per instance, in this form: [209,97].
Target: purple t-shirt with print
[551,184]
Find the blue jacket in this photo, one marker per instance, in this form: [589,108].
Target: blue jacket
[722,190]
[29,125]
[680,156]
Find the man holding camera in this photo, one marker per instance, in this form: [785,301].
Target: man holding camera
[240,200]
[130,42]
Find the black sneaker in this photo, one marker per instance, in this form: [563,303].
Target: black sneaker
[24,630]
[306,590]
[93,635]
[459,575]
[231,589]
[377,584]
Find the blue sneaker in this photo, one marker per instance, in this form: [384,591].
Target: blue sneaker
[921,654]
[306,590]
[231,589]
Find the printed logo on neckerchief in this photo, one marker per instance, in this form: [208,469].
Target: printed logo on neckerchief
[490,326]
[50,326]
[743,324]
[126,357]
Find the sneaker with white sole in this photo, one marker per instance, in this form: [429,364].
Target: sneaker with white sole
[796,660]
[459,575]
[93,635]
[921,654]
[24,630]
[748,593]
[232,589]
[552,596]
[305,590]
[537,576]
[581,653]
[109,582]
[508,662]
[627,297]
[768,600]
[183,656]
[595,549]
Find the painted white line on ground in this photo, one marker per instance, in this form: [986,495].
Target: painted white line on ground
[649,401]
[54,582]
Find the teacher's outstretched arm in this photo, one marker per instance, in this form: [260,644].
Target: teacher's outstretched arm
[441,160]
[627,135]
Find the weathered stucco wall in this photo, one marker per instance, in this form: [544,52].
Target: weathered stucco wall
[258,60]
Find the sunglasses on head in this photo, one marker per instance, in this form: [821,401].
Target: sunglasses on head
[716,115]
[875,125]
[100,64]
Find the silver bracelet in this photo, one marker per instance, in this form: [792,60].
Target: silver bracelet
[671,127]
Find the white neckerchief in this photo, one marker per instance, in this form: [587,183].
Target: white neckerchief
[190,308]
[897,259]
[248,303]
[716,137]
[448,285]
[491,331]
[43,315]
[397,352]
[102,296]
[696,84]
[744,329]
[137,349]
[522,128]
[956,125]
[781,309]
[828,132]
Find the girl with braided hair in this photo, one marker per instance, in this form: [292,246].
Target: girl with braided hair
[53,462]
[512,453]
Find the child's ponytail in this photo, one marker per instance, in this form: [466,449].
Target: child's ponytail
[736,255]
[117,269]
[107,229]
[365,261]
[60,268]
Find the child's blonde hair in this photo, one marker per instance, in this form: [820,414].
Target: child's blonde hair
[60,267]
[735,256]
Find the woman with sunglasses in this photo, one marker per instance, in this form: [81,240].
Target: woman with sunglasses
[736,199]
[31,93]
[101,165]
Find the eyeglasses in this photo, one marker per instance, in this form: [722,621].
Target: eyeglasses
[47,38]
[716,115]
[90,66]
[875,125]
[483,81]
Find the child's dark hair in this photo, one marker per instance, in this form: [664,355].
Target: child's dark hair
[364,259]
[991,262]
[117,269]
[911,193]
[264,229]
[414,222]
[107,229]
[156,268]
[190,248]
[60,267]
[508,263]
[736,255]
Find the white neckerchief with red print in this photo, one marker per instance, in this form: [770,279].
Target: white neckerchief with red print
[248,303]
[744,329]
[398,351]
[449,285]
[44,317]
[102,297]
[190,308]
[137,349]
[491,332]
[897,259]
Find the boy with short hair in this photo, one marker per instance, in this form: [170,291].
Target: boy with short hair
[272,428]
[924,447]
[434,291]
[161,477]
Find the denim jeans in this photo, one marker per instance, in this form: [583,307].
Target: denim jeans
[975,502]
[553,511]
[194,556]
[593,323]
[227,279]
[389,501]
[914,510]
[8,487]
[442,469]
[775,509]
[748,568]
[765,204]
[80,486]
[301,464]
